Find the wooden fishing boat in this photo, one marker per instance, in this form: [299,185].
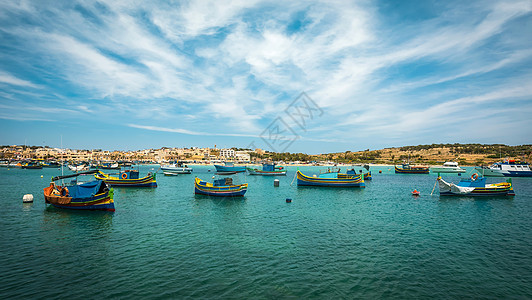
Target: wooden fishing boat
[78,168]
[475,186]
[32,165]
[221,188]
[268,170]
[128,178]
[109,166]
[367,176]
[229,167]
[408,169]
[332,179]
[94,195]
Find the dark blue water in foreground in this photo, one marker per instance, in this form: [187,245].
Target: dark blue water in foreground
[377,242]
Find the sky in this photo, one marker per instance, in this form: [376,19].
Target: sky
[297,76]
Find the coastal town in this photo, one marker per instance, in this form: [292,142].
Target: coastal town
[465,154]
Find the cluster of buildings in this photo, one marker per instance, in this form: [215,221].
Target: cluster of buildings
[152,155]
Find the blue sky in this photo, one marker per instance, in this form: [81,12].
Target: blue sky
[142,74]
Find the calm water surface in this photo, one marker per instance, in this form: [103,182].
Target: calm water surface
[377,242]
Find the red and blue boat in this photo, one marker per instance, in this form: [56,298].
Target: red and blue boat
[220,188]
[94,195]
[268,170]
[127,178]
[331,179]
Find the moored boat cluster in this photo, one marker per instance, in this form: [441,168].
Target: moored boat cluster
[97,194]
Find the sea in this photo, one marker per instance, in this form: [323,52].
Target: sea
[377,242]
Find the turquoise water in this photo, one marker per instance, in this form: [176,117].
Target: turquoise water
[377,242]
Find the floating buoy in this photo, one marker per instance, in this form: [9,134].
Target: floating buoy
[276,182]
[380,171]
[28,198]
[415,193]
[288,200]
[41,176]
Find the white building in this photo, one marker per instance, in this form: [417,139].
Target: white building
[242,156]
[226,153]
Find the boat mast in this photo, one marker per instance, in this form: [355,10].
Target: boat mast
[62,162]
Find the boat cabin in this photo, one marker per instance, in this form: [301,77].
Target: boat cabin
[451,164]
[223,182]
[129,174]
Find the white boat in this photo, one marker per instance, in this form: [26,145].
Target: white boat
[176,168]
[509,168]
[448,167]
[78,168]
[489,171]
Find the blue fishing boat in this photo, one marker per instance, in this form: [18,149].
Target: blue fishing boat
[229,167]
[94,195]
[128,178]
[268,170]
[221,188]
[475,186]
[331,179]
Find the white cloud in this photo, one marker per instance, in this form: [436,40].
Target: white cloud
[12,80]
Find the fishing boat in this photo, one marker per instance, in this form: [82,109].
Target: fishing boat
[331,179]
[229,167]
[447,167]
[268,170]
[367,176]
[51,164]
[508,168]
[127,178]
[78,168]
[221,188]
[4,163]
[176,168]
[94,195]
[475,186]
[408,169]
[32,165]
[109,166]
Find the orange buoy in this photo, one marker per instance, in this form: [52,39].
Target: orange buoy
[415,193]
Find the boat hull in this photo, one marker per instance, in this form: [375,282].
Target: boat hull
[238,169]
[176,170]
[447,170]
[351,181]
[487,172]
[517,174]
[266,173]
[411,171]
[202,188]
[472,188]
[148,181]
[102,201]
